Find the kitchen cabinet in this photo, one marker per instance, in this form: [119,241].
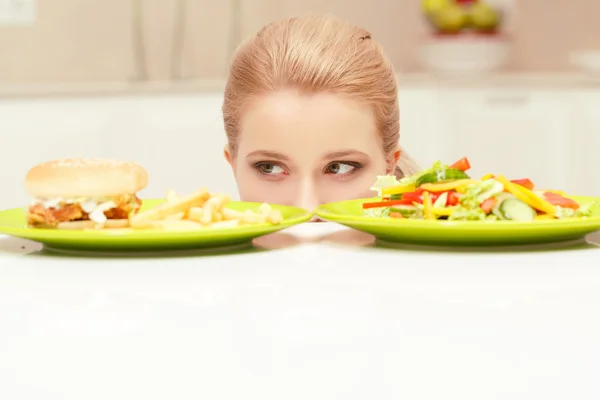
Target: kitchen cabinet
[32,131]
[70,41]
[119,41]
[201,40]
[420,125]
[521,133]
[179,139]
[584,142]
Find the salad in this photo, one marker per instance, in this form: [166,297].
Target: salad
[445,192]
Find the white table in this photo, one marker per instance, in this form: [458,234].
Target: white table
[326,315]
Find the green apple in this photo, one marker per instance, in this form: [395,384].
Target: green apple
[483,17]
[450,19]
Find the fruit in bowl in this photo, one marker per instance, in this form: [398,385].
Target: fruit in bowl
[450,19]
[483,17]
[456,16]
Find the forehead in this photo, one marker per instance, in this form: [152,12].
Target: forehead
[293,122]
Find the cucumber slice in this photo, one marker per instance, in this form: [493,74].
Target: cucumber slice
[443,175]
[441,201]
[500,198]
[396,196]
[405,211]
[516,210]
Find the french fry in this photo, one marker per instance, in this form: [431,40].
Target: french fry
[172,197]
[174,217]
[211,206]
[195,214]
[166,209]
[265,209]
[174,225]
[224,224]
[248,216]
[272,216]
[275,217]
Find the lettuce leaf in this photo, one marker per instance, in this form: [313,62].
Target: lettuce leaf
[384,181]
[462,213]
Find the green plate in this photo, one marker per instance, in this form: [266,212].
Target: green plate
[12,222]
[461,233]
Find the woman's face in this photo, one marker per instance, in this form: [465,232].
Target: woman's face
[307,149]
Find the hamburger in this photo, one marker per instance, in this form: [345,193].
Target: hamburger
[79,189]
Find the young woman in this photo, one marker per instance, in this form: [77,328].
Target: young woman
[311,114]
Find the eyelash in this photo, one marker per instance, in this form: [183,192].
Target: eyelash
[356,166]
[259,165]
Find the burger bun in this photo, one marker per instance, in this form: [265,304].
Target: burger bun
[85,177]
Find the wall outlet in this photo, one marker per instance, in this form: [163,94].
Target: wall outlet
[17,12]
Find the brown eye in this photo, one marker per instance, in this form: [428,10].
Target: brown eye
[339,168]
[334,168]
[268,168]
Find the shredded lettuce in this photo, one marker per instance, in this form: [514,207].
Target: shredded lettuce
[411,180]
[418,214]
[384,181]
[379,212]
[462,213]
[589,209]
[479,192]
[564,212]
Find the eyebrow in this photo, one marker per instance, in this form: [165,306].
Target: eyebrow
[268,154]
[281,157]
[344,153]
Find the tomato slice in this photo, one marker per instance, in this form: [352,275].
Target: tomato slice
[388,203]
[462,164]
[415,196]
[453,199]
[561,201]
[525,183]
[488,205]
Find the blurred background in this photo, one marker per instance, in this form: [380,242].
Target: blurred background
[512,84]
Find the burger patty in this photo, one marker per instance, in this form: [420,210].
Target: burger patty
[38,214]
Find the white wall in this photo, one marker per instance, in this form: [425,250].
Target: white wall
[550,136]
[179,139]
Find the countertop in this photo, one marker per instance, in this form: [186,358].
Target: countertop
[315,312]
[560,80]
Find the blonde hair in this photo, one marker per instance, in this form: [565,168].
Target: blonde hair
[316,54]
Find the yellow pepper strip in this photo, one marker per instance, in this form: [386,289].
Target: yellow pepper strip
[444,187]
[486,177]
[427,206]
[545,216]
[442,212]
[526,196]
[397,190]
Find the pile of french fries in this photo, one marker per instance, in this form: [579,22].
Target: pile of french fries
[200,210]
